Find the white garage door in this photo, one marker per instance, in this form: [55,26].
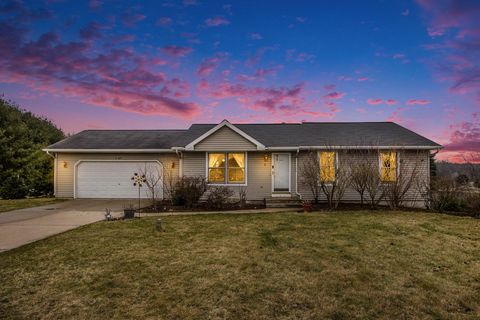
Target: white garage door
[112,179]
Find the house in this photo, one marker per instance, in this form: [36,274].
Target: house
[263,159]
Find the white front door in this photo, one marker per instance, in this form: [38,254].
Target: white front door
[281,171]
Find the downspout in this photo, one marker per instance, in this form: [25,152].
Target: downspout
[296,175]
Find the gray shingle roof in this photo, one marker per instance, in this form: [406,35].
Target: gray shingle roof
[271,135]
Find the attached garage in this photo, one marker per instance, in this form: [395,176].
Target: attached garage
[111,179]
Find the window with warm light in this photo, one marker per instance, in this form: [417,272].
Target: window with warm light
[388,166]
[216,167]
[327,166]
[228,167]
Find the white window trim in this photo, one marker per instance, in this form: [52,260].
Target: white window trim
[320,165]
[226,184]
[289,171]
[397,169]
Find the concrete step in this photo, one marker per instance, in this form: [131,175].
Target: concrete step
[293,202]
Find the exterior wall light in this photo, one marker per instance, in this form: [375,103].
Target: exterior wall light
[173,165]
[265,159]
[64,164]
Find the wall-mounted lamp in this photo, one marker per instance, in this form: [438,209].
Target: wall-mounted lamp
[173,165]
[64,164]
[265,159]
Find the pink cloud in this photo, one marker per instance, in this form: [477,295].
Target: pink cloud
[361,79]
[391,102]
[207,66]
[329,87]
[216,21]
[164,21]
[130,19]
[361,110]
[464,136]
[176,51]
[374,102]
[284,101]
[294,55]
[457,22]
[334,95]
[417,101]
[116,78]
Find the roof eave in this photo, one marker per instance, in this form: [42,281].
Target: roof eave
[108,150]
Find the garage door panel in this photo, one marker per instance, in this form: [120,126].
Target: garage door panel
[112,179]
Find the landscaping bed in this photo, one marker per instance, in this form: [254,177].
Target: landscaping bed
[337,265]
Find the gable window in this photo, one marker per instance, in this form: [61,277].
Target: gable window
[388,166]
[327,166]
[226,168]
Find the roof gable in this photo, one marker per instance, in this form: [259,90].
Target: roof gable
[224,123]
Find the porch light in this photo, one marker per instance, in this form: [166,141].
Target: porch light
[265,158]
[64,164]
[173,165]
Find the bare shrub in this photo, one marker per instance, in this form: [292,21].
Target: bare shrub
[360,171]
[335,190]
[218,197]
[373,184]
[310,173]
[242,195]
[396,192]
[446,196]
[152,175]
[187,191]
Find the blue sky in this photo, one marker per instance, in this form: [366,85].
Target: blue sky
[166,64]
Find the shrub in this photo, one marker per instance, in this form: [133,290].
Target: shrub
[218,197]
[446,197]
[188,190]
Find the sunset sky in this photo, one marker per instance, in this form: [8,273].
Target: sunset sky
[167,64]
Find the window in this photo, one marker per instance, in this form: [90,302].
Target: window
[216,167]
[327,166]
[226,168]
[388,166]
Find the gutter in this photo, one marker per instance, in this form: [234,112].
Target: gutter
[110,150]
[355,148]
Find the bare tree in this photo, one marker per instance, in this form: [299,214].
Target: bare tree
[153,180]
[310,173]
[242,196]
[373,182]
[360,169]
[334,189]
[396,192]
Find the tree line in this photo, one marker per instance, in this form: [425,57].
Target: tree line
[25,170]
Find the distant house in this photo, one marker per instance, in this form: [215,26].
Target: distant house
[264,159]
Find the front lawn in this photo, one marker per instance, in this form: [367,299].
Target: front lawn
[14,204]
[355,265]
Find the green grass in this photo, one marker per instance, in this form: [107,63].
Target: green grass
[355,265]
[9,205]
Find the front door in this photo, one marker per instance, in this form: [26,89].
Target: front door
[280,171]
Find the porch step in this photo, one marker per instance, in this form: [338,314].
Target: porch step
[292,202]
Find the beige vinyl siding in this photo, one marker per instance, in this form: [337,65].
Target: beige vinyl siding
[65,176]
[408,161]
[194,164]
[259,176]
[225,139]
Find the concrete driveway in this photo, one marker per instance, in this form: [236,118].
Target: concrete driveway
[20,227]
